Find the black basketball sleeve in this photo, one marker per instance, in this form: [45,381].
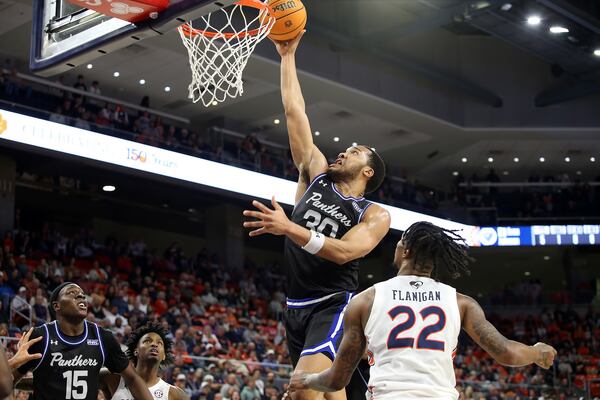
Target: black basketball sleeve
[115,360]
[35,348]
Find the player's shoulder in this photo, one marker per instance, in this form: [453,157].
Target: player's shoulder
[103,333]
[40,330]
[176,393]
[364,299]
[375,212]
[465,302]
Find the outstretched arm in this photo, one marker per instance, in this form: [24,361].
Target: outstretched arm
[356,243]
[135,384]
[307,157]
[504,351]
[23,361]
[350,353]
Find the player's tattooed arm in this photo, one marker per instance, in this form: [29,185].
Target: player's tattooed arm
[504,351]
[351,351]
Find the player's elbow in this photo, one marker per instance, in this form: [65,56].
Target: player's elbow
[293,109]
[338,383]
[345,255]
[341,258]
[509,358]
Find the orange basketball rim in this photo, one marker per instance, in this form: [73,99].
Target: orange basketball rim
[263,8]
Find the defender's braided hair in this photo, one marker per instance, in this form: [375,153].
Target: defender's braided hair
[151,327]
[433,248]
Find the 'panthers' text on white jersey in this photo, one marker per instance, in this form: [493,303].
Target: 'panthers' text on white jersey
[412,333]
[160,391]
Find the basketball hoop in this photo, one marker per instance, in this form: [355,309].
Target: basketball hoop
[218,54]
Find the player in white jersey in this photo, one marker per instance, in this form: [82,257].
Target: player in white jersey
[147,347]
[410,326]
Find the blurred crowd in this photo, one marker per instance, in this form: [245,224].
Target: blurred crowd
[225,324]
[576,337]
[574,198]
[229,341]
[249,152]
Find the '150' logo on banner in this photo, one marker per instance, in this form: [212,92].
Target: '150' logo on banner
[2,125]
[136,155]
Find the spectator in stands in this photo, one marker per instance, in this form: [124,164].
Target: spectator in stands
[13,85]
[40,310]
[58,117]
[21,306]
[145,102]
[82,122]
[181,383]
[120,118]
[104,116]
[95,88]
[80,83]
[248,151]
[250,391]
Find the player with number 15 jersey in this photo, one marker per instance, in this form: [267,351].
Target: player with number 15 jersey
[73,351]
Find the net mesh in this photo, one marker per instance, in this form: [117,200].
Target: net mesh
[218,51]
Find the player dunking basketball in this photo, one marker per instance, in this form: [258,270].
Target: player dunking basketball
[331,227]
[73,351]
[148,347]
[411,323]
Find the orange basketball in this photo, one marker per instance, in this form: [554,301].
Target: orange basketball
[290,16]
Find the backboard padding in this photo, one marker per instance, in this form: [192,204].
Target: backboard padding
[65,36]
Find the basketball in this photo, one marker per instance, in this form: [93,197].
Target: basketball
[290,18]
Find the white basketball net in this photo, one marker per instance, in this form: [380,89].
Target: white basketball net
[218,55]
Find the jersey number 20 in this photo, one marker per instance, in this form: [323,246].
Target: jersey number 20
[396,342]
[77,387]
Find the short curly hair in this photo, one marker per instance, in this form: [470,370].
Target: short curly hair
[152,327]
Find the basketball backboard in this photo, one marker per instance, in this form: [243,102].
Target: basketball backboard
[65,35]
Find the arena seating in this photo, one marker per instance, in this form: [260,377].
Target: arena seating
[484,206]
[227,323]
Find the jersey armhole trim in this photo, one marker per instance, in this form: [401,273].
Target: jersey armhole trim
[371,319]
[310,185]
[45,348]
[101,345]
[360,216]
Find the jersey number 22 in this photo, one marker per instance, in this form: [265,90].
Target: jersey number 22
[423,342]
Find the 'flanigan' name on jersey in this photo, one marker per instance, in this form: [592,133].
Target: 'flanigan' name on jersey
[403,295]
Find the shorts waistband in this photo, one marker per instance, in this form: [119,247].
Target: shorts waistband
[301,303]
